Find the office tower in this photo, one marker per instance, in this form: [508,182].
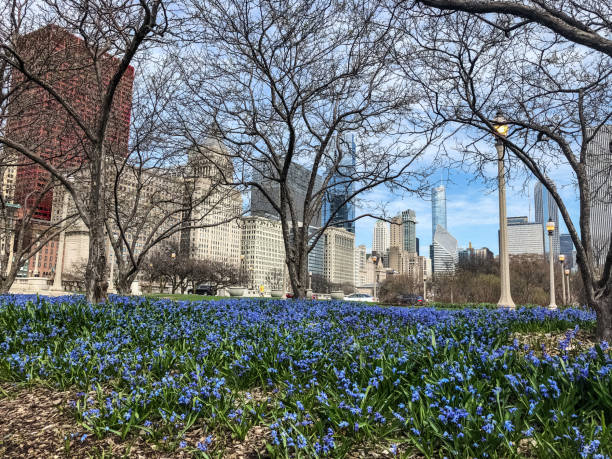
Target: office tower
[599,172]
[360,265]
[297,180]
[39,122]
[546,208]
[567,248]
[264,252]
[418,249]
[339,255]
[517,220]
[380,239]
[219,208]
[338,209]
[409,231]
[445,255]
[524,237]
[438,209]
[396,238]
[316,258]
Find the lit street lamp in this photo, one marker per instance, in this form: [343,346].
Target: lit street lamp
[505,299]
[561,262]
[567,282]
[550,227]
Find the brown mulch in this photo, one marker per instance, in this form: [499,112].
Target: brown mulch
[540,342]
[37,422]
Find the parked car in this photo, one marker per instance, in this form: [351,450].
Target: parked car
[359,297]
[204,289]
[410,299]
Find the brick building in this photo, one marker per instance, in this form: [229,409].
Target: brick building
[39,121]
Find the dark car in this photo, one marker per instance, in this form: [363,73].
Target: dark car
[204,289]
[410,299]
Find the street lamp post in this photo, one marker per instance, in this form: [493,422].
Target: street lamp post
[550,227]
[567,283]
[505,299]
[561,262]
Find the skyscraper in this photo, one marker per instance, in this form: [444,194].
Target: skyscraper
[599,172]
[524,237]
[338,209]
[39,122]
[566,247]
[545,209]
[298,179]
[397,237]
[380,239]
[445,254]
[409,231]
[438,209]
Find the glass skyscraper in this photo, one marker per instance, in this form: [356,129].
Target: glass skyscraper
[438,209]
[337,210]
[409,228]
[546,208]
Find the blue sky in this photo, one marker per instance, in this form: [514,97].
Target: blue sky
[471,208]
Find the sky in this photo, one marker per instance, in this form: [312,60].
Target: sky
[472,209]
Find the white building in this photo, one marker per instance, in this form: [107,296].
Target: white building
[381,237]
[525,238]
[445,254]
[339,262]
[264,252]
[360,265]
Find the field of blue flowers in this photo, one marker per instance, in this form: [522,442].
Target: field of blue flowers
[323,378]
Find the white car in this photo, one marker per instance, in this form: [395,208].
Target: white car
[359,297]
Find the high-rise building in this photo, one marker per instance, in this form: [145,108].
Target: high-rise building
[264,252]
[338,209]
[40,122]
[219,209]
[524,237]
[566,247]
[599,172]
[316,258]
[409,231]
[360,265]
[445,255]
[546,208]
[380,239]
[297,181]
[339,255]
[396,238]
[438,209]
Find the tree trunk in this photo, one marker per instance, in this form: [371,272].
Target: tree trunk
[603,308]
[95,280]
[124,282]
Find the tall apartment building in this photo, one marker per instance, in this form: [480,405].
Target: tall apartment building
[264,252]
[380,238]
[339,255]
[409,231]
[524,237]
[438,209]
[599,171]
[445,255]
[40,123]
[396,235]
[546,208]
[338,209]
[298,180]
[360,265]
[471,253]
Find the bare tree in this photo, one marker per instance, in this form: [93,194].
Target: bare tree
[163,188]
[556,100]
[93,43]
[587,22]
[289,84]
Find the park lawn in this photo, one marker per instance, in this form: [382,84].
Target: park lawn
[155,377]
[182,296]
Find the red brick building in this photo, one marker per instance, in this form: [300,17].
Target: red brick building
[39,121]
